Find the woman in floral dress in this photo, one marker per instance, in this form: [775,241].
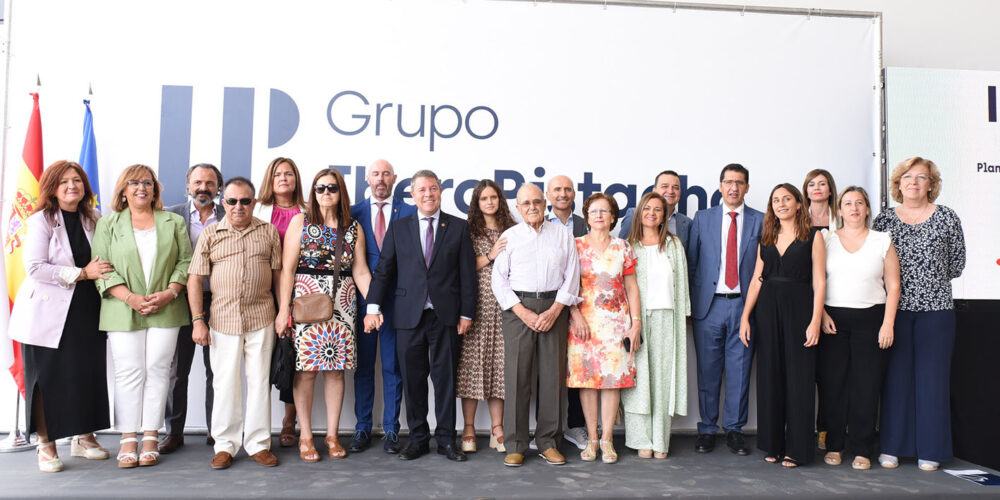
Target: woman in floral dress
[480,368]
[605,326]
[308,266]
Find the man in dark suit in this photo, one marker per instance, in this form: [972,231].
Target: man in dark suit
[429,256]
[200,211]
[722,253]
[561,195]
[668,184]
[375,214]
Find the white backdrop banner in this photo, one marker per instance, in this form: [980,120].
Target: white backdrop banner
[950,117]
[478,89]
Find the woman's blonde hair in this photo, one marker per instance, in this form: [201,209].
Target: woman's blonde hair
[131,173]
[897,176]
[864,195]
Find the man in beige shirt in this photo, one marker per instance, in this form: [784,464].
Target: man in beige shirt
[241,255]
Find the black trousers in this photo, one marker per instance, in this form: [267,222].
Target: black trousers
[175,415]
[852,369]
[432,348]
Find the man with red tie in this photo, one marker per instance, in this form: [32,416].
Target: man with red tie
[375,213]
[722,252]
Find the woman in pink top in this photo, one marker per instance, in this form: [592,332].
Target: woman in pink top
[280,198]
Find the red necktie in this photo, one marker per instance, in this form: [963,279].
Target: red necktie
[732,270]
[379,224]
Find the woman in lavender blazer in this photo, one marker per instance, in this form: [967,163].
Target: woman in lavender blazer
[55,318]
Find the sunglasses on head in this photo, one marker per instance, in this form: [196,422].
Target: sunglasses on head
[242,201]
[322,188]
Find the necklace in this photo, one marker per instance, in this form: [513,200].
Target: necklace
[919,216]
[283,207]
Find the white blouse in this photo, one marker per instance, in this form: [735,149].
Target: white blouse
[660,281]
[854,280]
[145,241]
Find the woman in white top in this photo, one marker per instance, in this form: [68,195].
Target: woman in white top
[862,294]
[660,390]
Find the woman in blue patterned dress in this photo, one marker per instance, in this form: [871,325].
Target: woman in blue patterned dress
[308,266]
[916,410]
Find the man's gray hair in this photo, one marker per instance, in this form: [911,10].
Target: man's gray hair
[425,173]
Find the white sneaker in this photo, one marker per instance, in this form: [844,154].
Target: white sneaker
[577,436]
[928,465]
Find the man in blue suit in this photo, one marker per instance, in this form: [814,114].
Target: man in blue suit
[668,184]
[375,214]
[722,253]
[429,257]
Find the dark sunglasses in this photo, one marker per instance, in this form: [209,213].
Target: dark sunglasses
[242,201]
[332,188]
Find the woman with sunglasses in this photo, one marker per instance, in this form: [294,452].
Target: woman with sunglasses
[279,200]
[309,265]
[141,306]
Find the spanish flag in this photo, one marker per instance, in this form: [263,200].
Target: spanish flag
[24,200]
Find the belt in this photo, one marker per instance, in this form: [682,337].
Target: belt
[323,272]
[729,295]
[782,279]
[536,295]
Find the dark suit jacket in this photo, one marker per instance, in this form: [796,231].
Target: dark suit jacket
[579,225]
[362,212]
[705,255]
[683,226]
[450,280]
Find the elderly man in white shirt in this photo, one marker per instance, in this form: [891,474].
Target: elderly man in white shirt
[535,278]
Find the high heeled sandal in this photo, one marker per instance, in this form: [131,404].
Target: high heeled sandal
[91,450]
[589,453]
[861,463]
[287,437]
[833,458]
[496,442]
[645,453]
[307,450]
[608,453]
[333,446]
[659,455]
[149,458]
[469,441]
[48,461]
[128,459]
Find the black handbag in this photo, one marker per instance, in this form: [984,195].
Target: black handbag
[283,364]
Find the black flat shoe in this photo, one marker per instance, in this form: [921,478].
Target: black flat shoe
[452,452]
[359,442]
[705,443]
[391,443]
[737,444]
[414,451]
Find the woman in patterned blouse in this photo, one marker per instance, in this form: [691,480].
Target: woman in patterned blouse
[931,248]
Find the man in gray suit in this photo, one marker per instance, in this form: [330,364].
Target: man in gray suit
[561,195]
[668,184]
[199,212]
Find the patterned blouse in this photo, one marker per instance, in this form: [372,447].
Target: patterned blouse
[931,254]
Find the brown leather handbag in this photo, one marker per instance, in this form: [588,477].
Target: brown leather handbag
[318,307]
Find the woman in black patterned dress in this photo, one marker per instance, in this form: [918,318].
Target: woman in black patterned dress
[480,367]
[916,407]
[308,266]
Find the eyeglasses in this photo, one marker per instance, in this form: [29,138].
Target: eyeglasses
[528,203]
[918,177]
[135,183]
[731,183]
[322,188]
[242,201]
[599,211]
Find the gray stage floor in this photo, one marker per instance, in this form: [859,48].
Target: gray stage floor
[373,474]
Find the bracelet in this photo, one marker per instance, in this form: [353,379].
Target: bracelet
[129,296]
[636,318]
[83,274]
[173,292]
[198,317]
[491,259]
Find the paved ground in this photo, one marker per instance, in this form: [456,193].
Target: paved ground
[373,474]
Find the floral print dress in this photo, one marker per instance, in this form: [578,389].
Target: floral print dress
[600,362]
[327,345]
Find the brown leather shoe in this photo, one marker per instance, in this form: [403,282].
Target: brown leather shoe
[265,458]
[514,459]
[553,457]
[170,443]
[222,460]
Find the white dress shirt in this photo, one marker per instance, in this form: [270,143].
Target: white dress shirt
[659,291]
[537,261]
[386,211]
[726,222]
[195,227]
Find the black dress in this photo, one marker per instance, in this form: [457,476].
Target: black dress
[72,379]
[786,370]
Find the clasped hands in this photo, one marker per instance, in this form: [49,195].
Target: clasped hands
[374,321]
[149,304]
[538,322]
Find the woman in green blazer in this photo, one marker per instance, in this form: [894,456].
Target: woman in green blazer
[660,390]
[141,306]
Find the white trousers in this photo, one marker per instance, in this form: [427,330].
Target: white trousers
[229,354]
[142,376]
